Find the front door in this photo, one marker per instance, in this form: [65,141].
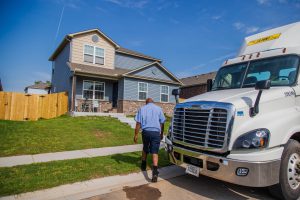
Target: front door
[115,95]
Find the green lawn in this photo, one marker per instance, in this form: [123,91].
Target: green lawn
[26,178]
[62,134]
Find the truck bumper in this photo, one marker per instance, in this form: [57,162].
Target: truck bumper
[252,174]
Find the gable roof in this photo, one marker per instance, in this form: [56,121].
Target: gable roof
[40,85]
[198,79]
[119,49]
[135,53]
[88,69]
[130,73]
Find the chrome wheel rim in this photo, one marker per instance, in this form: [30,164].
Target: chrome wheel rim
[293,171]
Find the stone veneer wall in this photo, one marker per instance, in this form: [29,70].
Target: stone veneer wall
[131,107]
[104,106]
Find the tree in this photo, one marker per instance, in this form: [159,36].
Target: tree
[38,82]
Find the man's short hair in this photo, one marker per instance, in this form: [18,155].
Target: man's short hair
[149,100]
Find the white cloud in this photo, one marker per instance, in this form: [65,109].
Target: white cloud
[162,4]
[245,28]
[221,58]
[191,71]
[262,2]
[217,17]
[252,29]
[238,25]
[129,3]
[75,4]
[101,9]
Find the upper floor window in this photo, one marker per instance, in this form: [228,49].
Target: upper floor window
[93,90]
[164,93]
[93,54]
[143,90]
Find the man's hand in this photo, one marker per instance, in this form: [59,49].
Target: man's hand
[136,132]
[135,139]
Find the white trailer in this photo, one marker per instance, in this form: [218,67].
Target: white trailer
[246,128]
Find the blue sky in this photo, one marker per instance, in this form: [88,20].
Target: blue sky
[191,36]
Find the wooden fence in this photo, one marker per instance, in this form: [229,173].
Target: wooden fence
[19,106]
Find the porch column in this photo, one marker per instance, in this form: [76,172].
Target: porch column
[73,93]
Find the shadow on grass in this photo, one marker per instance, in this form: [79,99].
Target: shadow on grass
[120,158]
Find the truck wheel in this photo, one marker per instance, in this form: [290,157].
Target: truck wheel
[289,178]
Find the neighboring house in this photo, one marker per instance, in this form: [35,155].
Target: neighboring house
[195,85]
[38,88]
[101,76]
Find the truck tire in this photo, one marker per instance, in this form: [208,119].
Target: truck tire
[288,187]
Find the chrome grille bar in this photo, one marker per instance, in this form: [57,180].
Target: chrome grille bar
[205,127]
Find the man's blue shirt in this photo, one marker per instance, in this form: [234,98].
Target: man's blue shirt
[150,117]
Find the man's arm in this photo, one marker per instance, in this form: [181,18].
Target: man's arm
[136,132]
[162,120]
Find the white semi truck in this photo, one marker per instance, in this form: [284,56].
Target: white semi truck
[246,128]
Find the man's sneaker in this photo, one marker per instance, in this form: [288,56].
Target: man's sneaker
[155,174]
[143,165]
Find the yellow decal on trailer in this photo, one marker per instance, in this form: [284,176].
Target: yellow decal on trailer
[264,39]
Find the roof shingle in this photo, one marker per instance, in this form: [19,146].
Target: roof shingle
[198,79]
[40,85]
[135,53]
[97,70]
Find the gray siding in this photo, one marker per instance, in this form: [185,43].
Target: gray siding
[61,80]
[121,89]
[154,72]
[129,62]
[131,90]
[108,87]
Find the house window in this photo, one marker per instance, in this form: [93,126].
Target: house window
[88,54]
[99,56]
[143,90]
[93,90]
[93,55]
[164,93]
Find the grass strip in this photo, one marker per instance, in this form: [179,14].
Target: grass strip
[27,178]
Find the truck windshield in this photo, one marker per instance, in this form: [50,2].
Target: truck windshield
[281,71]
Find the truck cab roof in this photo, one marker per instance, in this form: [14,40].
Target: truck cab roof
[274,42]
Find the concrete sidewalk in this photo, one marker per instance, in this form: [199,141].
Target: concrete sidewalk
[66,155]
[86,189]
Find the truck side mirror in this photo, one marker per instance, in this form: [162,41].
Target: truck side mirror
[260,85]
[176,93]
[263,85]
[209,85]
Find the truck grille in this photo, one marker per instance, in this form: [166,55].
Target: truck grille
[201,127]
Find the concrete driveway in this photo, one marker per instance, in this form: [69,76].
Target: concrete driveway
[189,188]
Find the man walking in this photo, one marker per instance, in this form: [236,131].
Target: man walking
[150,118]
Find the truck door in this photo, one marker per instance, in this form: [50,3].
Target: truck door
[297,91]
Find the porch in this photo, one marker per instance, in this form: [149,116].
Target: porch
[94,95]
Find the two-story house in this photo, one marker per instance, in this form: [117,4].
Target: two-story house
[101,76]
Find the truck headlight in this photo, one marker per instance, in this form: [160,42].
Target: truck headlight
[255,139]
